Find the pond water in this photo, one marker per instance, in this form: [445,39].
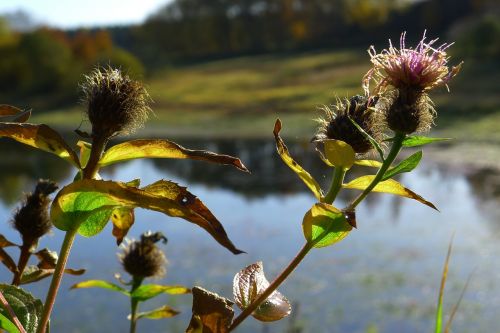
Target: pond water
[384,277]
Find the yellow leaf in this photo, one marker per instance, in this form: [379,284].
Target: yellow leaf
[85,149]
[339,153]
[387,186]
[163,149]
[310,182]
[324,225]
[122,219]
[369,163]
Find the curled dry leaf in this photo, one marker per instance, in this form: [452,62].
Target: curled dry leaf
[9,113]
[248,284]
[211,312]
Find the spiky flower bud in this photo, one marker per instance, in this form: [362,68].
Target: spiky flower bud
[337,125]
[143,259]
[32,218]
[115,104]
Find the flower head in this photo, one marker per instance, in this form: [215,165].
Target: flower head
[421,68]
[143,258]
[115,103]
[337,123]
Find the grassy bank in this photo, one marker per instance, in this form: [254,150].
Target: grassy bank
[243,96]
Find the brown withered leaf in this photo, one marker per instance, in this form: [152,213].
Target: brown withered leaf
[34,273]
[248,284]
[9,113]
[40,136]
[211,312]
[163,149]
[7,260]
[4,242]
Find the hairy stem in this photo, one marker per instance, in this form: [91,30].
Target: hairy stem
[56,278]
[21,264]
[98,146]
[395,149]
[273,286]
[338,178]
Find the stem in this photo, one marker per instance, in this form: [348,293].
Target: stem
[273,286]
[396,147]
[56,278]
[134,303]
[21,264]
[338,178]
[98,145]
[12,314]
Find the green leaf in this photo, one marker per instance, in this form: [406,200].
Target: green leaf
[325,225]
[406,165]
[11,114]
[85,149]
[414,141]
[100,284]
[388,186]
[147,291]
[160,313]
[27,308]
[374,142]
[339,153]
[368,163]
[251,282]
[89,204]
[42,137]
[163,149]
[310,182]
[7,325]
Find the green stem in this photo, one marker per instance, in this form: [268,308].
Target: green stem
[338,178]
[21,264]
[396,147]
[56,278]
[134,304]
[273,286]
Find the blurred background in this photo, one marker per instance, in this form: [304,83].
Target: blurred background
[220,72]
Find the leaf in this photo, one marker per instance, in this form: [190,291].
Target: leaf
[4,242]
[85,149]
[211,312]
[89,204]
[34,273]
[339,153]
[27,308]
[147,291]
[406,165]
[444,277]
[100,284]
[11,114]
[160,313]
[7,260]
[388,186]
[251,282]
[368,163]
[324,225]
[414,141]
[122,219]
[163,149]
[7,325]
[310,182]
[42,137]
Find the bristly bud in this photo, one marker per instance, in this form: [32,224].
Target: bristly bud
[115,104]
[32,218]
[337,123]
[143,259]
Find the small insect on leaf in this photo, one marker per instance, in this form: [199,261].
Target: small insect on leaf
[248,284]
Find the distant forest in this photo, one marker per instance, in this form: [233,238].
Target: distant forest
[49,62]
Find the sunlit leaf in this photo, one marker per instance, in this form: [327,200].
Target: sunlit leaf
[368,163]
[339,153]
[160,313]
[324,225]
[85,149]
[147,291]
[310,182]
[211,312]
[251,282]
[40,136]
[27,308]
[388,186]
[100,284]
[89,204]
[163,149]
[11,114]
[7,325]
[414,141]
[406,165]
[122,219]
[34,273]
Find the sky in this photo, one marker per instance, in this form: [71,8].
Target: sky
[86,13]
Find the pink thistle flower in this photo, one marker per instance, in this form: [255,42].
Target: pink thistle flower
[420,69]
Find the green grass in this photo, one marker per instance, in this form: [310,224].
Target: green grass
[243,96]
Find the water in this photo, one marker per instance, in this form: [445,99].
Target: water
[383,277]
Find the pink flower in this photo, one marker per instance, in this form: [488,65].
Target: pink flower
[421,68]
